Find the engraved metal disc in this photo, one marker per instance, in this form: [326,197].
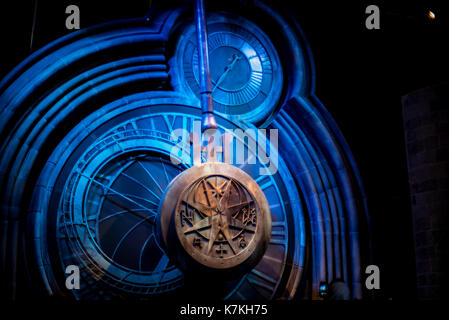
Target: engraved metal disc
[219,217]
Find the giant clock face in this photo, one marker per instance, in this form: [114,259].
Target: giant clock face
[215,218]
[245,69]
[108,179]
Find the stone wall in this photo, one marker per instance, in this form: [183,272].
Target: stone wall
[426,123]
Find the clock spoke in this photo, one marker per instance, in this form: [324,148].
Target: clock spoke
[133,196]
[143,249]
[125,236]
[142,185]
[152,178]
[116,192]
[127,210]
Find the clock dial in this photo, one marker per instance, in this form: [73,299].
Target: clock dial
[245,68]
[108,211]
[100,199]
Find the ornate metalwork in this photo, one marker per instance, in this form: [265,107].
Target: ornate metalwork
[73,201]
[228,224]
[223,213]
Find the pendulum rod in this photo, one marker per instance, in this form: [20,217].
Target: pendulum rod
[208,120]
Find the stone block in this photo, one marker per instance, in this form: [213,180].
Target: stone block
[423,266]
[426,124]
[444,139]
[415,147]
[422,224]
[443,154]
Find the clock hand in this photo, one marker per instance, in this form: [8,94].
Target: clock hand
[133,212]
[118,193]
[227,70]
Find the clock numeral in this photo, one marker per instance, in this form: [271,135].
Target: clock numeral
[263,283]
[278,234]
[264,182]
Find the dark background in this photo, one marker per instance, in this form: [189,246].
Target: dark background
[360,77]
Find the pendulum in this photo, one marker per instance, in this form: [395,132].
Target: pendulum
[213,217]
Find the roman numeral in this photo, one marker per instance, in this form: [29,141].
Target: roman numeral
[264,182]
[259,279]
[278,234]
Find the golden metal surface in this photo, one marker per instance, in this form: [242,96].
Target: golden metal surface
[216,216]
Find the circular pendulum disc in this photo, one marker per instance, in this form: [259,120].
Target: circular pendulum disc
[214,217]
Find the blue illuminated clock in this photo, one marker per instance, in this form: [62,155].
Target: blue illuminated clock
[245,68]
[99,203]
